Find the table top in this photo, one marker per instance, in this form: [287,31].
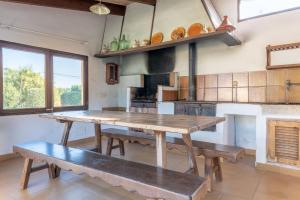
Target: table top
[183,124]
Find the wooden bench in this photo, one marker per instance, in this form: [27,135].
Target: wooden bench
[146,180]
[212,152]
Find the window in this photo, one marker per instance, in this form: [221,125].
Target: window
[256,8]
[67,81]
[36,80]
[23,79]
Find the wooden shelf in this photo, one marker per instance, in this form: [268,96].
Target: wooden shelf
[224,36]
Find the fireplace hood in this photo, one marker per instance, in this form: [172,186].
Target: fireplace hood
[161,61]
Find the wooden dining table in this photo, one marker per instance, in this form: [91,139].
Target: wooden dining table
[157,123]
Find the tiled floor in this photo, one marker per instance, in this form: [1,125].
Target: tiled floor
[241,181]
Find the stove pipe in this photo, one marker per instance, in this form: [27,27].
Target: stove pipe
[192,71]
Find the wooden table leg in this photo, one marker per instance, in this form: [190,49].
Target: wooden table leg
[122,148]
[98,138]
[161,149]
[66,133]
[209,172]
[192,158]
[64,142]
[51,171]
[110,142]
[217,169]
[26,173]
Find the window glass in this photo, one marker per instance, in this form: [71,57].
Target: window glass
[23,79]
[68,81]
[254,8]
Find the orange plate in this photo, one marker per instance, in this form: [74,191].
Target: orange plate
[157,38]
[196,29]
[178,33]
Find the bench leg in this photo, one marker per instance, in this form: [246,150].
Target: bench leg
[161,149]
[98,138]
[26,173]
[192,158]
[209,172]
[109,147]
[122,148]
[218,169]
[51,171]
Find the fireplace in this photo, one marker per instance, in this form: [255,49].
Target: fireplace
[160,68]
[149,92]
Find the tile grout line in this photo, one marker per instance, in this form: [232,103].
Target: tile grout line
[256,188]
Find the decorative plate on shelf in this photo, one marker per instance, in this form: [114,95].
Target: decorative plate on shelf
[196,29]
[178,33]
[157,38]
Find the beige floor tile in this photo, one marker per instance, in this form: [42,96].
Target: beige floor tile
[232,197]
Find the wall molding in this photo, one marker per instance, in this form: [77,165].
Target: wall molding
[278,168]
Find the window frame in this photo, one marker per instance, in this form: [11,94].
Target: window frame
[49,101]
[263,15]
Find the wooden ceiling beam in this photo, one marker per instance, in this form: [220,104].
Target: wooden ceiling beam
[149,2]
[81,5]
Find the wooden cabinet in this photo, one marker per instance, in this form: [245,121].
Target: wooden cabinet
[112,73]
[283,141]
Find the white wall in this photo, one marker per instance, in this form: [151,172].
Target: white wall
[256,35]
[216,57]
[60,23]
[126,82]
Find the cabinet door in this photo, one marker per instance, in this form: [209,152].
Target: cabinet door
[283,141]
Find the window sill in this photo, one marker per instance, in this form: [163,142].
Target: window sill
[40,110]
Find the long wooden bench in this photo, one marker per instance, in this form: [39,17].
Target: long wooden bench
[212,152]
[146,180]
